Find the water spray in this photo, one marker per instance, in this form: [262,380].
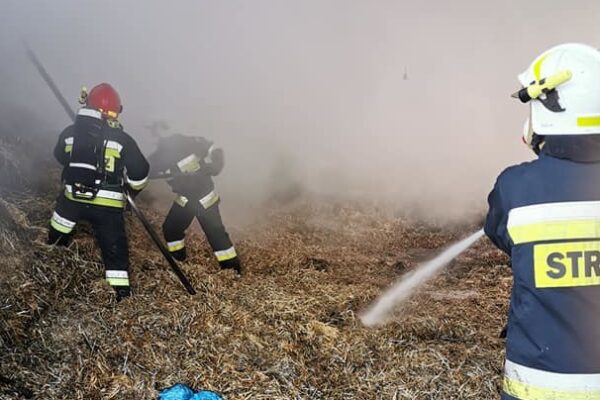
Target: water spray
[378,313]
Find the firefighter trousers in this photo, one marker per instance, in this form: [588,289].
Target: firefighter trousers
[206,211]
[109,229]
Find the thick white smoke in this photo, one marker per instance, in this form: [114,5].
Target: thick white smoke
[402,101]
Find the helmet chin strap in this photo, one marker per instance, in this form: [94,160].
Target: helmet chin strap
[534,141]
[528,131]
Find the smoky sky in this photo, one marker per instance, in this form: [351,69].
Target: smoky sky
[407,101]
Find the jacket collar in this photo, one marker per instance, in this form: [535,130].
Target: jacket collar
[578,148]
[89,112]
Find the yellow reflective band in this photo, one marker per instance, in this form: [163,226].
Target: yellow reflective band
[523,391]
[61,228]
[137,185]
[118,281]
[175,246]
[68,148]
[111,144]
[189,164]
[225,255]
[113,123]
[537,66]
[209,200]
[531,383]
[112,153]
[98,201]
[181,200]
[586,122]
[567,264]
[555,230]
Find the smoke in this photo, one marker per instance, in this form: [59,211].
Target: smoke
[406,102]
[24,155]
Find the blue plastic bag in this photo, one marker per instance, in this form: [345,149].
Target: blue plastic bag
[176,392]
[206,395]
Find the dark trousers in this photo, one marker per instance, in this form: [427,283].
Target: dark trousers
[180,217]
[109,229]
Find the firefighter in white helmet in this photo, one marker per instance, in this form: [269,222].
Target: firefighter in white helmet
[546,215]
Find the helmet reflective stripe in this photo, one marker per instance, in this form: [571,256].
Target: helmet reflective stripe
[537,66]
[573,107]
[588,121]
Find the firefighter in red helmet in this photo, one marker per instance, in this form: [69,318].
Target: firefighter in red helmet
[105,99]
[100,161]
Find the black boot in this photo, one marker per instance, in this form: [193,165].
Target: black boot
[234,264]
[179,255]
[122,292]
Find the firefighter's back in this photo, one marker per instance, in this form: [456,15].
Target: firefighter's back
[553,221]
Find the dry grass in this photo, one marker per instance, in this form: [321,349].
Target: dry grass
[288,329]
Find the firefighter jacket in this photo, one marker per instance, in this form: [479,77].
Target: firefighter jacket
[189,163]
[123,164]
[546,215]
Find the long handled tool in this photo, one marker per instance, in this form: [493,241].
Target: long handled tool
[155,238]
[184,280]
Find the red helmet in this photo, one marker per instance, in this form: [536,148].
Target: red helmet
[105,99]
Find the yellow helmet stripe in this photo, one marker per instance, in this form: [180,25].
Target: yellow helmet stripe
[537,66]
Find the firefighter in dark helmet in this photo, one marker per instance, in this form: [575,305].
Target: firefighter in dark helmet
[546,215]
[189,163]
[100,162]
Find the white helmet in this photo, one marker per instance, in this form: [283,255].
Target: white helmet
[563,85]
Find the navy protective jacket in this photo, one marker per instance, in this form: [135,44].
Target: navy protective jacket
[545,214]
[124,163]
[189,162]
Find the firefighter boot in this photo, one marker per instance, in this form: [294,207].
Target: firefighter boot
[122,292]
[233,263]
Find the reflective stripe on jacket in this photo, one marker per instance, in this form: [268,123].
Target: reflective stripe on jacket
[546,215]
[124,164]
